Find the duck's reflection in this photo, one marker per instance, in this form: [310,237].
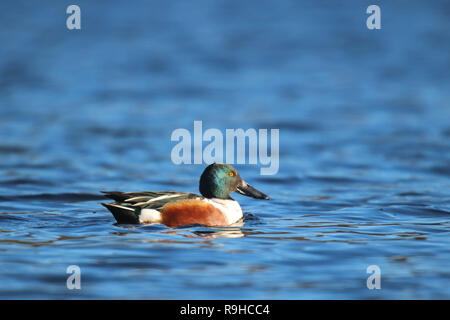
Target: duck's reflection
[233,231]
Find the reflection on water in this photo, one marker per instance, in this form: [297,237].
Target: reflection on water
[233,231]
[364,148]
[229,232]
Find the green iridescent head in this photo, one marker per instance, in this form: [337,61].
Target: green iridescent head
[219,180]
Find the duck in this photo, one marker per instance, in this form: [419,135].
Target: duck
[214,207]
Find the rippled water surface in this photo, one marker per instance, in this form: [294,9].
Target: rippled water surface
[364,119]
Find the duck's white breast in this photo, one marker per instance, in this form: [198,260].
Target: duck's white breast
[230,209]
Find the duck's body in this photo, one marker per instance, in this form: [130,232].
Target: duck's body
[172,209]
[214,208]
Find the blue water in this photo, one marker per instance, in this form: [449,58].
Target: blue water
[364,119]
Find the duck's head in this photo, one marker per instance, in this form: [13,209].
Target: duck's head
[219,180]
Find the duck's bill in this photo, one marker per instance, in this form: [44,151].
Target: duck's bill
[248,190]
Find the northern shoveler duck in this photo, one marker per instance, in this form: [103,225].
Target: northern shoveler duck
[214,208]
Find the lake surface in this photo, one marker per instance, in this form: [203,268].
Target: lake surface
[364,120]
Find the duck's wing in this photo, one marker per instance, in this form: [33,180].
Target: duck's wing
[147,199]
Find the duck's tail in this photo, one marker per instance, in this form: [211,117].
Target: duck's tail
[122,214]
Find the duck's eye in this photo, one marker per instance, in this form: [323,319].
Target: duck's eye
[231,174]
